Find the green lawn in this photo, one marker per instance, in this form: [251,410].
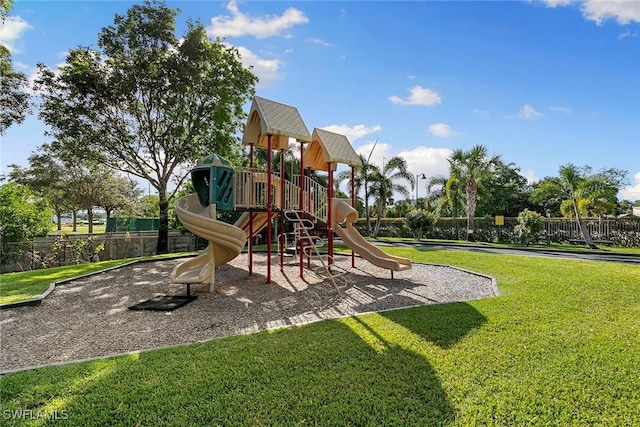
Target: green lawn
[560,346]
[551,246]
[80,229]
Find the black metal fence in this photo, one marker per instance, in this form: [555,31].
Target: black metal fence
[54,251]
[623,232]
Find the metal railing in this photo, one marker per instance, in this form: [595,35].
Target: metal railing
[250,192]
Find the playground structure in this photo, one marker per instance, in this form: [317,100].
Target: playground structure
[266,196]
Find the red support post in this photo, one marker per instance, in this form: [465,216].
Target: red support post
[269,207]
[301,207]
[329,219]
[353,205]
[282,237]
[310,210]
[251,202]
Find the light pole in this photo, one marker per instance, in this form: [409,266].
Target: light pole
[383,161]
[419,176]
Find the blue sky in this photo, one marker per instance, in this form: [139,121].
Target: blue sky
[541,83]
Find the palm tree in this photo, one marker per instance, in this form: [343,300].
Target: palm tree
[362,180]
[470,169]
[448,197]
[583,192]
[388,181]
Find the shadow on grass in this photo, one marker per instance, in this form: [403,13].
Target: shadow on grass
[442,324]
[322,374]
[367,370]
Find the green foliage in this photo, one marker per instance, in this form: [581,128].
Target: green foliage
[5,7]
[387,181]
[82,249]
[362,181]
[14,98]
[148,206]
[505,191]
[149,103]
[471,170]
[23,215]
[547,196]
[530,225]
[419,222]
[48,177]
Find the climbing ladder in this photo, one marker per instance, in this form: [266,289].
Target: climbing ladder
[303,225]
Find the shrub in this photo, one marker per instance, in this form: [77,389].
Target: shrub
[419,222]
[530,225]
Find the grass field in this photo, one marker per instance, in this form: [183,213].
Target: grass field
[80,229]
[560,346]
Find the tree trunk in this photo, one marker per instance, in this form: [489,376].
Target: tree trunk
[59,219]
[75,221]
[377,226]
[90,218]
[471,211]
[162,246]
[583,227]
[366,210]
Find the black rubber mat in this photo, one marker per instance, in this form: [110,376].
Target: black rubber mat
[164,303]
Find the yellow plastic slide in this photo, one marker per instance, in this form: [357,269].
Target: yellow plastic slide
[342,212]
[225,240]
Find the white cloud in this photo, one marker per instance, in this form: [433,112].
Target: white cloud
[440,130]
[381,151]
[627,33]
[239,24]
[556,3]
[267,70]
[11,31]
[321,42]
[528,112]
[482,113]
[623,11]
[419,96]
[531,176]
[632,192]
[431,161]
[428,160]
[353,132]
[561,109]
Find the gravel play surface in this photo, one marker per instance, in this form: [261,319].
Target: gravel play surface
[89,317]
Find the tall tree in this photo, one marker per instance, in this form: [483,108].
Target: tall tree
[447,195]
[120,194]
[471,168]
[363,179]
[547,196]
[149,104]
[392,178]
[23,216]
[89,183]
[14,96]
[583,190]
[5,7]
[47,177]
[507,192]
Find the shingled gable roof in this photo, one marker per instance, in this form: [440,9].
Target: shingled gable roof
[273,118]
[328,147]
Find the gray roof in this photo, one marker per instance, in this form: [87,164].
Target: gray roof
[276,119]
[337,147]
